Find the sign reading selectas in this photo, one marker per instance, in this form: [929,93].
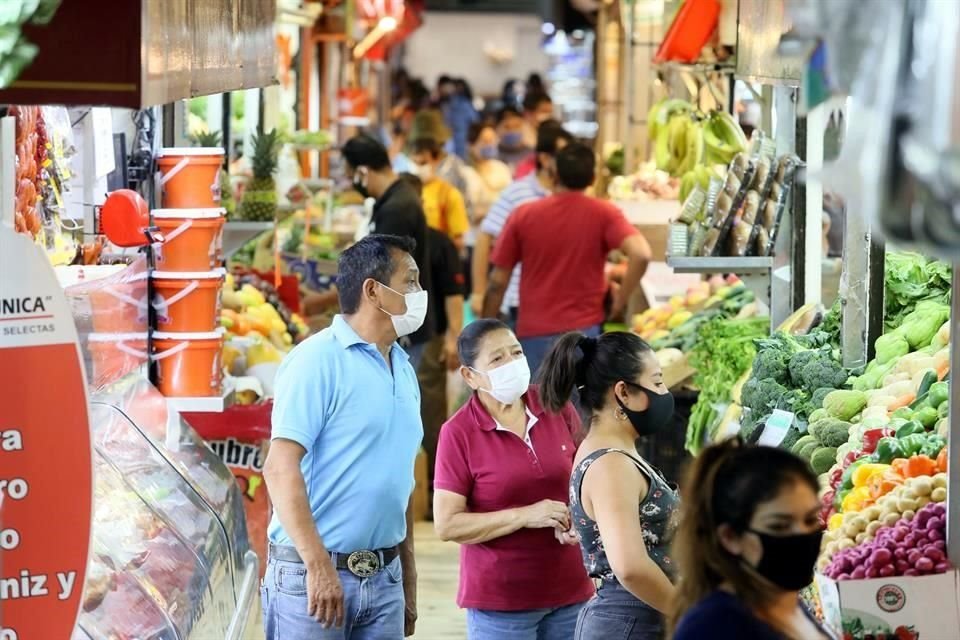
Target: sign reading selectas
[45,452]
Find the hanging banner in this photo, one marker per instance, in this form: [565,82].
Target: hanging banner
[45,451]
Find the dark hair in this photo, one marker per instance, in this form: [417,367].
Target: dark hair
[464,88]
[371,257]
[535,82]
[468,344]
[427,145]
[534,99]
[508,112]
[576,166]
[412,180]
[363,150]
[549,133]
[725,485]
[445,79]
[476,128]
[593,366]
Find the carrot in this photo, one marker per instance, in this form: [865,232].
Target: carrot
[903,401]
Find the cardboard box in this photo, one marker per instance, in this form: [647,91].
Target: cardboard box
[923,608]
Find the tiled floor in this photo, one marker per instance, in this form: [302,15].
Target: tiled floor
[437,570]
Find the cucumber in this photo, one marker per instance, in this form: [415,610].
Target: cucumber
[929,379]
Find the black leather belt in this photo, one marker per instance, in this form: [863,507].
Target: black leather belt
[363,564]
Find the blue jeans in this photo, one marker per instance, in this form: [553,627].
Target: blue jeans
[536,349]
[373,607]
[616,613]
[535,624]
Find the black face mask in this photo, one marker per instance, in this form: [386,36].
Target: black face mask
[657,416]
[788,561]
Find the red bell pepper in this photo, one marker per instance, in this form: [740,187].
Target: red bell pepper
[872,437]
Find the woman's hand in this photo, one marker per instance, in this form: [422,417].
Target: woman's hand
[546,514]
[567,537]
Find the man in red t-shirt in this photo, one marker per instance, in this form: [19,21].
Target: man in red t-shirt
[563,242]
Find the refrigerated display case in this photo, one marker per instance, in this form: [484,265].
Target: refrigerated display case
[170,558]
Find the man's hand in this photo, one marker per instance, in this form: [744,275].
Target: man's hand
[450,357]
[325,594]
[547,514]
[619,305]
[476,304]
[410,606]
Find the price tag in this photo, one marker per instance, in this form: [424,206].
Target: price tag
[776,428]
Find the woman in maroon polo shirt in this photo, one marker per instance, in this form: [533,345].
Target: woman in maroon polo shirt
[500,490]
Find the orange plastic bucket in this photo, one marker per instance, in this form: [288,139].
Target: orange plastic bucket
[120,307]
[191,238]
[187,301]
[188,364]
[190,177]
[114,355]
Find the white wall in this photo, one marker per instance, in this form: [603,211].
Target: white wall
[454,43]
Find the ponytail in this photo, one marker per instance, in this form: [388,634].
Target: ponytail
[724,486]
[558,373]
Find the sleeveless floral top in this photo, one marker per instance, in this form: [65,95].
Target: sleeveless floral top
[659,511]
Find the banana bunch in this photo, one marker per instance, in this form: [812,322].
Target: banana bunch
[679,146]
[661,112]
[722,137]
[700,175]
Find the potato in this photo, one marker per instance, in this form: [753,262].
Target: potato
[890,518]
[939,494]
[861,538]
[922,486]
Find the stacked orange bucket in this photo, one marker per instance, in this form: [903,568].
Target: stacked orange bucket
[187,339]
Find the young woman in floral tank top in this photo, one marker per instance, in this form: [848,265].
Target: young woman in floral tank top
[622,508]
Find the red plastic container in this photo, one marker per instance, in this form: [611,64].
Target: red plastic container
[690,31]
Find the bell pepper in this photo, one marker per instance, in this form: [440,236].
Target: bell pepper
[873,436]
[856,500]
[913,444]
[888,450]
[903,413]
[942,461]
[910,428]
[943,411]
[835,522]
[846,482]
[881,484]
[899,466]
[840,497]
[921,466]
[938,394]
[867,471]
[927,416]
[933,446]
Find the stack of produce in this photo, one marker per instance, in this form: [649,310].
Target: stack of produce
[910,278]
[305,139]
[661,326]
[31,153]
[648,183]
[688,143]
[723,352]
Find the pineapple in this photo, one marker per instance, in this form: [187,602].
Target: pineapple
[260,197]
[212,139]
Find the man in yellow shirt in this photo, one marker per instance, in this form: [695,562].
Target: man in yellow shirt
[443,204]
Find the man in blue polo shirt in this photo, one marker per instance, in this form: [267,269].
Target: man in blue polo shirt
[346,431]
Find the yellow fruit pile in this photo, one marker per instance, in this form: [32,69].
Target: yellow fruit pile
[656,323]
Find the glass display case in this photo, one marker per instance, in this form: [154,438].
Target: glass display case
[169,556]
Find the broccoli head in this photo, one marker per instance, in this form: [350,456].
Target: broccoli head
[823,371]
[819,395]
[772,364]
[762,395]
[797,363]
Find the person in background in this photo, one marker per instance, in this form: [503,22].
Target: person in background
[623,509]
[443,204]
[464,89]
[486,177]
[456,104]
[562,284]
[535,84]
[510,96]
[440,355]
[551,137]
[399,160]
[503,467]
[428,125]
[398,211]
[537,109]
[510,128]
[346,432]
[748,541]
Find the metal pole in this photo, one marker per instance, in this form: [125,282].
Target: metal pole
[8,162]
[629,145]
[953,442]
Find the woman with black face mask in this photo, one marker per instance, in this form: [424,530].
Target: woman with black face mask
[623,509]
[747,544]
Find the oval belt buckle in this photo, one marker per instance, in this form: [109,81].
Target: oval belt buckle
[363,564]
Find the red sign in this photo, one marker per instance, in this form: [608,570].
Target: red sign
[45,452]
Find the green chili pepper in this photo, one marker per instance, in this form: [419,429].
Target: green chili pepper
[888,450]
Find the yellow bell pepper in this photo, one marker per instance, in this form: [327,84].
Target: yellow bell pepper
[835,522]
[864,472]
[856,500]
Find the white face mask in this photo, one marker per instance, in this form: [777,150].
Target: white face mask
[508,382]
[407,323]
